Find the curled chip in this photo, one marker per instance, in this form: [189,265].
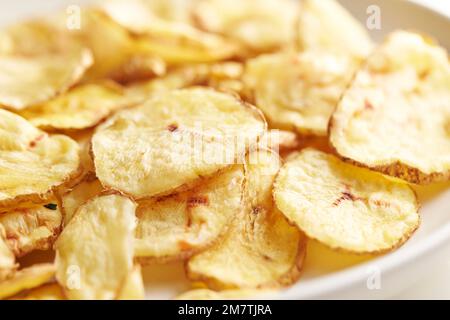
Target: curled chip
[298,91]
[94,253]
[32,163]
[395,117]
[49,291]
[231,294]
[7,258]
[80,108]
[32,227]
[259,25]
[175,41]
[133,287]
[326,25]
[25,81]
[179,225]
[87,189]
[172,140]
[343,206]
[27,278]
[261,249]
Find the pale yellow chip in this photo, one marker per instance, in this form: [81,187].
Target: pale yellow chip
[80,108]
[395,117]
[175,41]
[261,249]
[32,227]
[49,291]
[133,287]
[259,25]
[343,206]
[32,163]
[231,294]
[94,253]
[25,81]
[172,140]
[279,141]
[78,195]
[326,25]
[27,278]
[7,258]
[298,91]
[176,226]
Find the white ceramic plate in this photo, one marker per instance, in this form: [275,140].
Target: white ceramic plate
[328,274]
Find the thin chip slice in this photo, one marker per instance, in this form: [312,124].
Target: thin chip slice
[260,25]
[232,294]
[326,25]
[343,206]
[395,117]
[80,194]
[298,91]
[261,249]
[94,253]
[27,278]
[176,226]
[133,288]
[172,140]
[7,258]
[279,141]
[25,81]
[49,291]
[177,42]
[32,163]
[80,108]
[31,227]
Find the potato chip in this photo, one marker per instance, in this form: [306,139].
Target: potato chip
[179,225]
[133,288]
[326,25]
[394,118]
[32,163]
[49,291]
[259,25]
[261,249]
[32,227]
[7,258]
[94,253]
[343,206]
[176,42]
[26,278]
[25,81]
[231,294]
[78,195]
[279,141]
[80,108]
[298,91]
[172,140]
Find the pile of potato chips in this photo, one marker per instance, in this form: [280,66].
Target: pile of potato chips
[222,133]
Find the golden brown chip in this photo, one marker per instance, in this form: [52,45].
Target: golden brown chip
[179,225]
[32,163]
[27,278]
[172,140]
[395,116]
[261,249]
[298,91]
[133,287]
[94,253]
[231,294]
[32,227]
[259,25]
[25,81]
[50,291]
[7,258]
[80,108]
[78,195]
[177,42]
[343,206]
[326,25]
